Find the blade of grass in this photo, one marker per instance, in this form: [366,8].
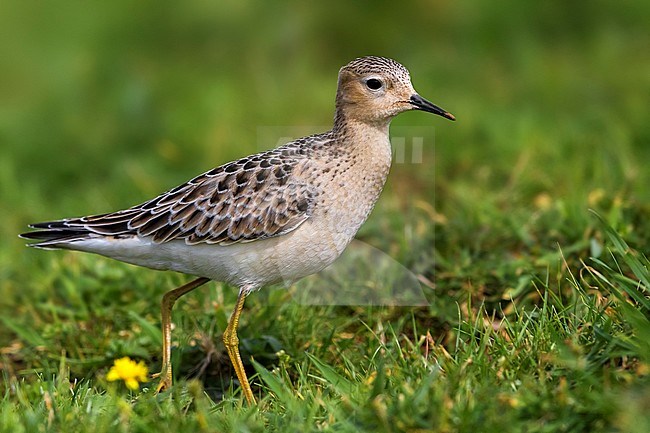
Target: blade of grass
[342,385]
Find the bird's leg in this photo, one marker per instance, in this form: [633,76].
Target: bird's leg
[168,301]
[231,341]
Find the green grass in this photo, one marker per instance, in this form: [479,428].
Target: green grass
[527,223]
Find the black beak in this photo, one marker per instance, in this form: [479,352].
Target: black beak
[422,104]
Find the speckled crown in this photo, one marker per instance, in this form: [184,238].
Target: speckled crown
[374,64]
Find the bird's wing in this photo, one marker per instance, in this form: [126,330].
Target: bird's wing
[257,197]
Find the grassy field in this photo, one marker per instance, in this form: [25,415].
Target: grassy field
[526,223]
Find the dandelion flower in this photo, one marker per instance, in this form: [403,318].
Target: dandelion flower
[131,372]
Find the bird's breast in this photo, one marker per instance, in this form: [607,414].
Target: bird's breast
[350,185]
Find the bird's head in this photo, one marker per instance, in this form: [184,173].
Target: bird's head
[373,90]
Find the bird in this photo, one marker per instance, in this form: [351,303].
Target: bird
[275,216]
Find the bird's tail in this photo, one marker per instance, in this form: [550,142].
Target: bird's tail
[55,234]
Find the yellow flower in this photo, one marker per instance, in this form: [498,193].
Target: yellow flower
[131,372]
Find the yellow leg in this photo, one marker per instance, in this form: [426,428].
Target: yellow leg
[168,301]
[231,341]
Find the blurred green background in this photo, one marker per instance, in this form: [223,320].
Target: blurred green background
[105,104]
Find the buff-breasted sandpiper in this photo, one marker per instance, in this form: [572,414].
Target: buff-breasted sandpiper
[278,215]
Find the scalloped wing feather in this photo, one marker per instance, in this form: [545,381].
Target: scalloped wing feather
[257,197]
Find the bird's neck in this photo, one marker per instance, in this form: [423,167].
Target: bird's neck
[346,124]
[368,143]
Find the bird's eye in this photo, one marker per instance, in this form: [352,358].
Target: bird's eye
[374,84]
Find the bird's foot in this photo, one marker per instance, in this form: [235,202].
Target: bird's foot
[164,384]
